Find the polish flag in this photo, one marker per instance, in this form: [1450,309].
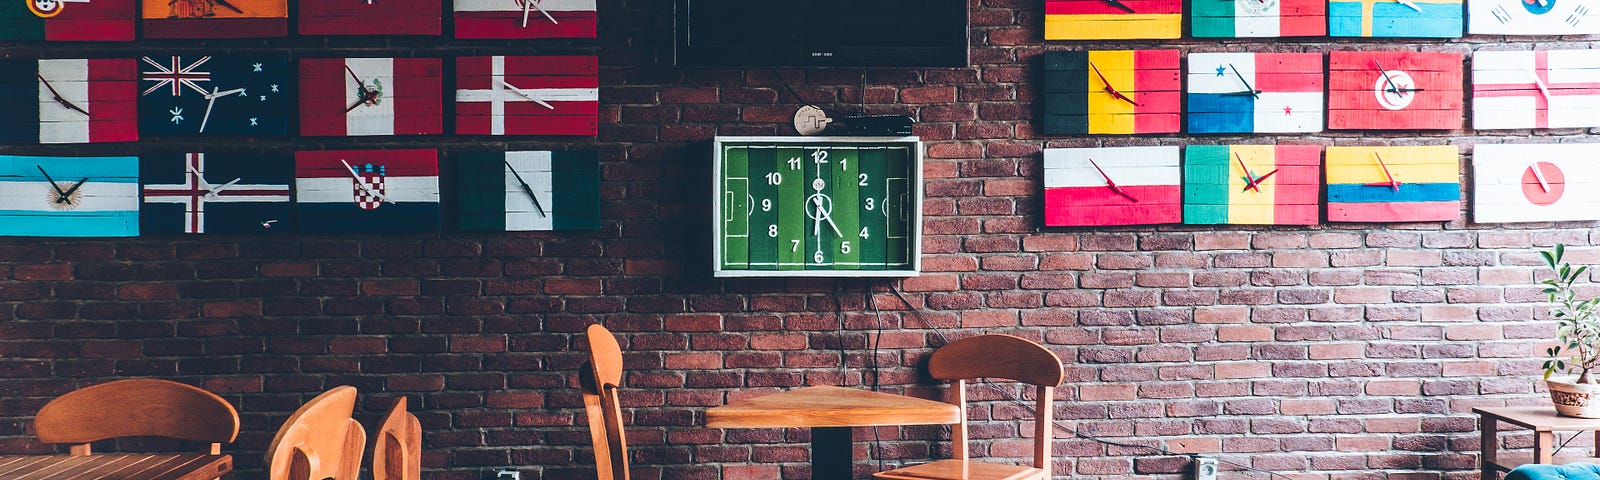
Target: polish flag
[1112,186]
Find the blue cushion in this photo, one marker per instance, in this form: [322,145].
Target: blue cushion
[1571,471]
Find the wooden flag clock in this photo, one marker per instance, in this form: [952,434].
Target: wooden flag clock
[1537,89]
[370,17]
[528,190]
[211,96]
[1394,91]
[67,20]
[69,196]
[1258,18]
[1533,17]
[1255,92]
[196,19]
[1086,187]
[1111,92]
[370,96]
[68,101]
[524,18]
[817,206]
[1393,184]
[1395,18]
[367,190]
[1252,184]
[1535,182]
[216,193]
[509,95]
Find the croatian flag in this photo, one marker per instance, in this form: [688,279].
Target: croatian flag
[1252,184]
[525,18]
[1255,92]
[529,190]
[527,95]
[370,96]
[1538,89]
[69,196]
[215,193]
[1112,186]
[68,101]
[68,20]
[1259,18]
[367,190]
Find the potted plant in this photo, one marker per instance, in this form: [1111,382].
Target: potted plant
[1577,340]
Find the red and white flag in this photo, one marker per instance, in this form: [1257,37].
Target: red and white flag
[87,101]
[370,96]
[527,95]
[525,18]
[1538,89]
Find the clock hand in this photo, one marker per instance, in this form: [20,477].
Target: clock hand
[827,215]
[58,98]
[363,95]
[198,177]
[211,101]
[1392,183]
[1110,184]
[1543,90]
[1410,5]
[541,12]
[213,191]
[1249,180]
[66,197]
[1392,87]
[1263,178]
[1539,175]
[362,184]
[1124,7]
[1248,88]
[52,182]
[525,188]
[229,6]
[527,95]
[1109,89]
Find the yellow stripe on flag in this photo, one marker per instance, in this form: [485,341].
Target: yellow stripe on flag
[1109,114]
[1415,164]
[1112,26]
[1249,206]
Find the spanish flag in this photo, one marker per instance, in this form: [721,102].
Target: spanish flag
[1251,184]
[1112,19]
[1394,184]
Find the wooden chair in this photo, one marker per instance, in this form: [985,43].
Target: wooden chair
[599,378]
[992,356]
[319,441]
[397,448]
[140,407]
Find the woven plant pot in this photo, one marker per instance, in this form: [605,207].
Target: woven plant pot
[1574,399]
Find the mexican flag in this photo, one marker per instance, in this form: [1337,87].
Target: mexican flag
[1259,18]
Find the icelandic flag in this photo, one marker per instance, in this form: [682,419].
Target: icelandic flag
[1112,186]
[1259,18]
[1252,184]
[529,190]
[69,196]
[527,95]
[525,18]
[370,96]
[215,193]
[1537,89]
[1394,184]
[1223,98]
[68,20]
[1547,182]
[68,101]
[367,190]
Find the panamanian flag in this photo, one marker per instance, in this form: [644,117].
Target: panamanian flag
[1252,184]
[67,20]
[1255,92]
[367,190]
[71,100]
[525,18]
[529,190]
[69,196]
[216,193]
[370,96]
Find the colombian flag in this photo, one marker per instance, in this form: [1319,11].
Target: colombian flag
[1112,92]
[1112,19]
[1251,184]
[1394,184]
[1259,18]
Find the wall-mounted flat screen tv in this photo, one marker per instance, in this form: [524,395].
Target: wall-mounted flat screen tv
[815,33]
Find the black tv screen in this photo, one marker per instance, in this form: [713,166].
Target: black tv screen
[855,33]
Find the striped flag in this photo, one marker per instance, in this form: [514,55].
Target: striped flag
[525,18]
[222,194]
[68,101]
[1535,182]
[1394,184]
[1111,92]
[1252,184]
[1255,92]
[1112,19]
[370,17]
[69,196]
[529,190]
[1112,186]
[67,20]
[367,190]
[1538,89]
[215,18]
[1390,18]
[527,95]
[370,96]
[1259,18]
[1395,91]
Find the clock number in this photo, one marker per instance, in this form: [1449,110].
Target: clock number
[863,233]
[817,257]
[794,245]
[794,164]
[844,247]
[863,181]
[842,163]
[774,178]
[772,230]
[820,156]
[870,203]
[1501,14]
[766,204]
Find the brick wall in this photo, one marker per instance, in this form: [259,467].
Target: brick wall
[1343,351]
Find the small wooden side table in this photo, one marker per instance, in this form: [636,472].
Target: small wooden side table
[1542,420]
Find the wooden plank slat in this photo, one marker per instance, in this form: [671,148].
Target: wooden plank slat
[115,467]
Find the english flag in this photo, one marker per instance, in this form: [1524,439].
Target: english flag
[1537,89]
[367,190]
[1112,186]
[68,20]
[68,101]
[370,96]
[216,193]
[1255,92]
[525,18]
[527,95]
[529,190]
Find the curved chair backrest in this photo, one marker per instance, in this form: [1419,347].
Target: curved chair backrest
[599,378]
[139,407]
[319,441]
[397,446]
[1007,357]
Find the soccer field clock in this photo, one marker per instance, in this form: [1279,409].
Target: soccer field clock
[817,206]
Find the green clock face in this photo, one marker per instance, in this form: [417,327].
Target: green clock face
[824,207]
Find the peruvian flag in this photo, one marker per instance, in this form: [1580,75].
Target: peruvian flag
[367,190]
[525,18]
[69,101]
[1538,89]
[1255,92]
[527,95]
[1112,186]
[68,20]
[370,96]
[1548,182]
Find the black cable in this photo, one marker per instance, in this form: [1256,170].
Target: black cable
[873,368]
[791,91]
[838,313]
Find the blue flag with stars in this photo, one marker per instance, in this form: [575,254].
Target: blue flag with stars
[210,95]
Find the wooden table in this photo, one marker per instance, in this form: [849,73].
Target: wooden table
[115,467]
[1542,420]
[830,412]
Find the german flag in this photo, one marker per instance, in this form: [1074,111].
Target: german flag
[1251,184]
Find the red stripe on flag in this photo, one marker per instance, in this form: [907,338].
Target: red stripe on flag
[322,97]
[396,163]
[1085,206]
[113,101]
[1394,212]
[216,28]
[509,25]
[1088,7]
[418,97]
[1289,72]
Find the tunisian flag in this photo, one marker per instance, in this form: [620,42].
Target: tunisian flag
[370,96]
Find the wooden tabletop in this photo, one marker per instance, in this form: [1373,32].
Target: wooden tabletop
[115,467]
[826,406]
[1539,419]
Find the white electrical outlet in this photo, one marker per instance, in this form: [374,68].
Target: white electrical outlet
[507,474]
[1204,468]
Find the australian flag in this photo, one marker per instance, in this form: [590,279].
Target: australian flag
[209,95]
[216,193]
